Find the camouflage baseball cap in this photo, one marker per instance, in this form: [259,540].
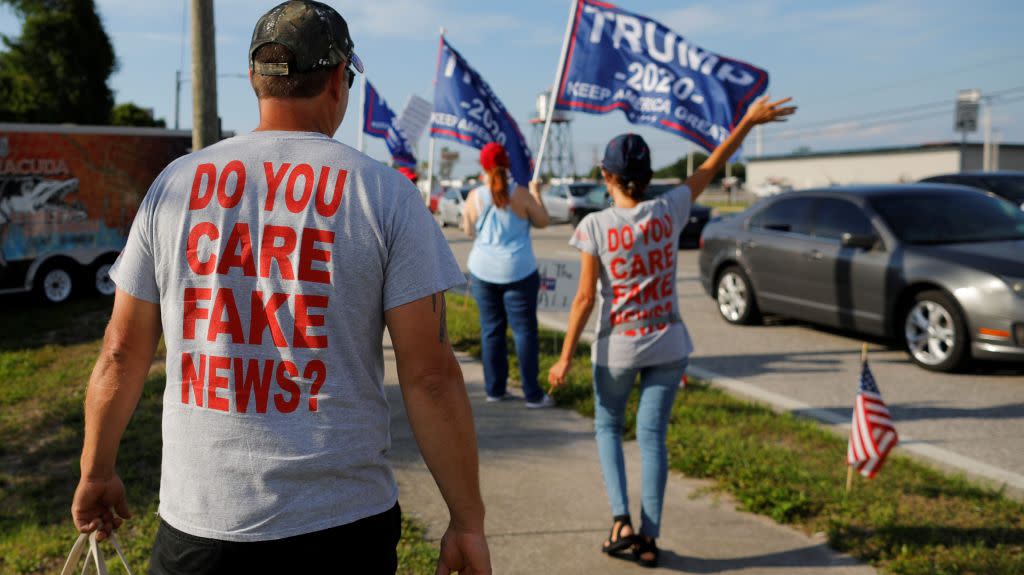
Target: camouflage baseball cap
[314,32]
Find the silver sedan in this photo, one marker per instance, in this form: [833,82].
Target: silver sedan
[939,267]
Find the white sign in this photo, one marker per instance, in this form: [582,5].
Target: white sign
[967,111]
[414,118]
[559,280]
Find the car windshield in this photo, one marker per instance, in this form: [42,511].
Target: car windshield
[581,190]
[1009,188]
[655,190]
[950,218]
[598,197]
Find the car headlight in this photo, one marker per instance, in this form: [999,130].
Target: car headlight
[1016,285]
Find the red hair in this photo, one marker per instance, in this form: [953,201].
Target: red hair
[498,176]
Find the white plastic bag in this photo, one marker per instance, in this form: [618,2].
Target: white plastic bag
[94,555]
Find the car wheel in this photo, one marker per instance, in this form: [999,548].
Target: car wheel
[55,282]
[575,220]
[735,296]
[101,279]
[934,332]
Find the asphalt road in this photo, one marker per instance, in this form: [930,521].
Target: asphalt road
[971,421]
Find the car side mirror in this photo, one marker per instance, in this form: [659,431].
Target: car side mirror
[861,241]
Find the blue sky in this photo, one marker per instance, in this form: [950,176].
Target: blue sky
[839,60]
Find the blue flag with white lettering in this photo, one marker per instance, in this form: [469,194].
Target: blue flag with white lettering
[379,122]
[618,60]
[468,112]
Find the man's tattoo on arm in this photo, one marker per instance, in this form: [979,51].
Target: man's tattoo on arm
[442,333]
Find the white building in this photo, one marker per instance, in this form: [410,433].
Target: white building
[873,166]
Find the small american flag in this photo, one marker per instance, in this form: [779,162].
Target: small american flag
[872,435]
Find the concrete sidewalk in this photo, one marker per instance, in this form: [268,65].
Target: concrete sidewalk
[547,511]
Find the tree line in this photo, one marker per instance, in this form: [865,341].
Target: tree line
[57,70]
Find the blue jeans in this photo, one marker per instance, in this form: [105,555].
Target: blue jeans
[658,386]
[502,305]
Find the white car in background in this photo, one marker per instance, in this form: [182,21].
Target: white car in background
[570,202]
[449,208]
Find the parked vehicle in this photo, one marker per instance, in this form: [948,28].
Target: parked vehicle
[68,195]
[940,267]
[571,202]
[700,215]
[1008,185]
[449,208]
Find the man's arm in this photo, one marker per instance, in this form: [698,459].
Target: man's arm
[114,390]
[442,421]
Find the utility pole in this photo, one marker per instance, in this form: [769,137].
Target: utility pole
[205,123]
[986,149]
[177,99]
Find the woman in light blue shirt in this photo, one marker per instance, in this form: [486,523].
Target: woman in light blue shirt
[504,279]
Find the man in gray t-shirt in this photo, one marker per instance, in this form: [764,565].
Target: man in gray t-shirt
[272,263]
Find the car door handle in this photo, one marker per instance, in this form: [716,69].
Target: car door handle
[748,244]
[814,255]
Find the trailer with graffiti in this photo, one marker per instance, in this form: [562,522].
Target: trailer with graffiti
[68,195]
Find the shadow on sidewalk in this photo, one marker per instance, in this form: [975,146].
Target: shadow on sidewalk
[813,556]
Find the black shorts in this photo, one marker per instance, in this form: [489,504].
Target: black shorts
[366,546]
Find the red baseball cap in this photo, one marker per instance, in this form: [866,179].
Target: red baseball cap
[493,154]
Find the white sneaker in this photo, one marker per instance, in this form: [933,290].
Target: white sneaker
[504,397]
[546,401]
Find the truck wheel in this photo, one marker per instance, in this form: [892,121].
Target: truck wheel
[101,279]
[55,282]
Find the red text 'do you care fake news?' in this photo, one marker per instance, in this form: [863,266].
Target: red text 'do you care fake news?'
[285,320]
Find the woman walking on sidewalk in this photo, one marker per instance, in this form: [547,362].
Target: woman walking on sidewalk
[629,251]
[504,278]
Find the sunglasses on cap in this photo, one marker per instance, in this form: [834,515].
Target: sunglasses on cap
[355,64]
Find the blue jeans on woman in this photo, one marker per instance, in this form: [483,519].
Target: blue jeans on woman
[658,386]
[502,305]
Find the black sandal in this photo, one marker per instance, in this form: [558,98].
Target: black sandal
[643,546]
[616,542]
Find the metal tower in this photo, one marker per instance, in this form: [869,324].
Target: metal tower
[559,159]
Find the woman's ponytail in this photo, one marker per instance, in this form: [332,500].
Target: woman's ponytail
[498,180]
[634,188]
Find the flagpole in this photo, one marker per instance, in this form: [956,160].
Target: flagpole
[555,90]
[430,160]
[361,140]
[849,468]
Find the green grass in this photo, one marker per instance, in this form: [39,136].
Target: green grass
[46,356]
[910,520]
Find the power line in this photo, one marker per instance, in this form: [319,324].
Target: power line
[803,132]
[903,109]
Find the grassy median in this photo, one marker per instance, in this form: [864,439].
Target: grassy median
[909,520]
[46,356]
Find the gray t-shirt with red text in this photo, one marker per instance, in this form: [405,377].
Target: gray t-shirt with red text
[273,256]
[638,321]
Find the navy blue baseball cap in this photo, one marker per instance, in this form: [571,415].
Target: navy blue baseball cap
[627,155]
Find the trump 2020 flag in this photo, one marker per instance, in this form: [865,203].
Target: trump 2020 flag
[618,60]
[468,112]
[872,435]
[380,123]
